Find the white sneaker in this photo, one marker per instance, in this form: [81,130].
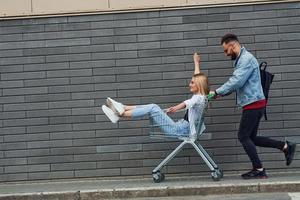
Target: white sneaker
[113,117]
[115,106]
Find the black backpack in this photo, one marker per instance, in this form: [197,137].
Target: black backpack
[266,79]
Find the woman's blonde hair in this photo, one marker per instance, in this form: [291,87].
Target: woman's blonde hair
[202,83]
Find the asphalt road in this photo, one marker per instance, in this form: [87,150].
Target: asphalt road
[256,196]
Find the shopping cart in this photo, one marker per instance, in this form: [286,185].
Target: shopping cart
[186,138]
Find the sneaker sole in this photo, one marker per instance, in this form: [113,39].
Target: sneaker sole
[109,101]
[109,104]
[108,114]
[257,177]
[292,154]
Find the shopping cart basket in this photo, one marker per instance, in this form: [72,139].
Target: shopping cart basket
[186,138]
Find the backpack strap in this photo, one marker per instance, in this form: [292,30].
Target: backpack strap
[263,65]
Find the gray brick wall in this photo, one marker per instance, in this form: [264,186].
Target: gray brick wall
[56,72]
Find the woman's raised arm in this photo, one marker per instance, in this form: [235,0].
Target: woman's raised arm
[197,63]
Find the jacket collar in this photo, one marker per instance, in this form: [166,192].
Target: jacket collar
[241,52]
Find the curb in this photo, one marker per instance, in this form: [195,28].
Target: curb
[163,191]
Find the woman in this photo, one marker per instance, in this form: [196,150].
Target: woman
[198,86]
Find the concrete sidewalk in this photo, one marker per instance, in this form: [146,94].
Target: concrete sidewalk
[90,189]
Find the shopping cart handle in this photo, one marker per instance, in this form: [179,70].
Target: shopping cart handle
[210,96]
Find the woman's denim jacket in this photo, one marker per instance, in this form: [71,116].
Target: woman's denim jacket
[245,80]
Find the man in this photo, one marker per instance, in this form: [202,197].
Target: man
[245,81]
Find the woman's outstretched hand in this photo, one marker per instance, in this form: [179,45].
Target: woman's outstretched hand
[196,58]
[171,109]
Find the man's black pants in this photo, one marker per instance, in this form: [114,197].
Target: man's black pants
[248,136]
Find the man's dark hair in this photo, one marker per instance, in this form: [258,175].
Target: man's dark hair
[229,37]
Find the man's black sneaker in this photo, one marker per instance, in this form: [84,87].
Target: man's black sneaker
[289,152]
[255,174]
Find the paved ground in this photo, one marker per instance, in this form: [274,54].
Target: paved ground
[90,189]
[260,196]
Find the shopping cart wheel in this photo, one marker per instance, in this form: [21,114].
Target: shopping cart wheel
[220,172]
[158,177]
[216,176]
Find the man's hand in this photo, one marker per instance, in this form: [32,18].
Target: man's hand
[196,58]
[213,95]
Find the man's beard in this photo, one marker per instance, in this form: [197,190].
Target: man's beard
[234,56]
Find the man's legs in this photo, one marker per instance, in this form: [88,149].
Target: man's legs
[248,128]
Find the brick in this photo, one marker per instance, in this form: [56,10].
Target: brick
[137,46]
[276,6]
[206,18]
[71,104]
[102,32]
[16,153]
[159,21]
[11,37]
[159,37]
[71,135]
[49,128]
[46,66]
[167,13]
[11,68]
[135,61]
[139,93]
[14,177]
[93,126]
[27,168]
[289,44]
[12,115]
[97,173]
[113,24]
[73,166]
[113,55]
[68,42]
[24,91]
[67,26]
[48,97]
[119,148]
[84,111]
[95,65]
[230,9]
[23,75]
[16,161]
[25,122]
[71,119]
[184,43]
[277,21]
[23,45]
[69,57]
[137,30]
[119,164]
[183,27]
[277,37]
[22,60]
[69,73]
[23,29]
[11,84]
[11,53]
[160,52]
[95,95]
[161,68]
[50,175]
[253,15]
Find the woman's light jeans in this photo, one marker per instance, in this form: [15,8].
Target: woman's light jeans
[160,118]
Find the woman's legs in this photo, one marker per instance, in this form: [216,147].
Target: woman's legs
[158,116]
